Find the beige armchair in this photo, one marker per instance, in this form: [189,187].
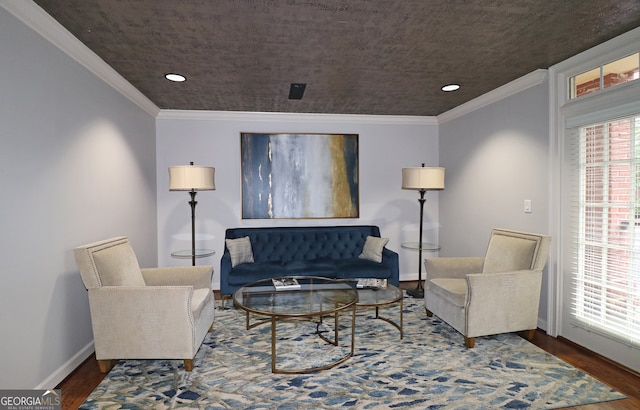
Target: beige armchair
[158,313]
[497,293]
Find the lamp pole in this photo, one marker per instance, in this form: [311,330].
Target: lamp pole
[418,292]
[193,204]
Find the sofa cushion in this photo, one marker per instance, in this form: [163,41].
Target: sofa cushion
[250,272]
[118,266]
[453,290]
[361,268]
[316,267]
[509,253]
[372,249]
[240,250]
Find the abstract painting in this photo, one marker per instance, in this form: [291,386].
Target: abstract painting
[299,176]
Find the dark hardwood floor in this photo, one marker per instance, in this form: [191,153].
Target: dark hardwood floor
[77,386]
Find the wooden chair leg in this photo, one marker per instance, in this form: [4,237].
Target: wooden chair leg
[105,366]
[223,299]
[188,365]
[469,342]
[429,313]
[530,334]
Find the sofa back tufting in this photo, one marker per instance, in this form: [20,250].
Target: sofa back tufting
[305,243]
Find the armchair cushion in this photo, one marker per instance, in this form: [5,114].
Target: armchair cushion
[118,266]
[509,253]
[453,290]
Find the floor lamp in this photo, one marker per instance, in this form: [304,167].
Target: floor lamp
[192,178]
[421,179]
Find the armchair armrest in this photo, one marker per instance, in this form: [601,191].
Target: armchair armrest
[128,322]
[197,276]
[455,268]
[502,302]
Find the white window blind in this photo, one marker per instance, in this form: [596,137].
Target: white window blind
[606,251]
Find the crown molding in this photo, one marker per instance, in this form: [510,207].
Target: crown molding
[42,23]
[518,85]
[295,117]
[603,53]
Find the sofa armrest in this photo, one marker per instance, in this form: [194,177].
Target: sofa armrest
[128,322]
[502,302]
[455,268]
[390,259]
[197,276]
[225,270]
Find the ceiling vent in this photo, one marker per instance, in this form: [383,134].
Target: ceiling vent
[296,91]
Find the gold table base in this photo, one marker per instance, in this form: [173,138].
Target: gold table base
[273,320]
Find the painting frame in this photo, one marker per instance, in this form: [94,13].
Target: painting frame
[299,175]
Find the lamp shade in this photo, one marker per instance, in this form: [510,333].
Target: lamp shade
[191,178]
[423,178]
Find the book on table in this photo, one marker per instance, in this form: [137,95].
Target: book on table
[371,283]
[285,283]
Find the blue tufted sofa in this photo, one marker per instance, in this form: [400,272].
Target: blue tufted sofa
[329,251]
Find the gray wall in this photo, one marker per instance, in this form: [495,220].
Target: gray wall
[496,157]
[77,164]
[386,145]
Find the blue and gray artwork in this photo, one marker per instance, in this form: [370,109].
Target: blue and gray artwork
[299,176]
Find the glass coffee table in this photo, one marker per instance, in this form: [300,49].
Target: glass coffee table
[382,297]
[316,297]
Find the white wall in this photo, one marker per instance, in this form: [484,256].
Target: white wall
[386,145]
[496,157]
[77,164]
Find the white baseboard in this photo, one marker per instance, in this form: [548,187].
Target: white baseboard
[542,324]
[67,368]
[405,277]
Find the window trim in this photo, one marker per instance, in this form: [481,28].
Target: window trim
[564,111]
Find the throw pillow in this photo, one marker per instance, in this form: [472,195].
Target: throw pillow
[372,249]
[240,250]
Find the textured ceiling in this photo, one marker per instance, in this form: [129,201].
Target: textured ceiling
[356,57]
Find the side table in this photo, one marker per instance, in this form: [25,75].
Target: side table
[418,292]
[186,254]
[414,246]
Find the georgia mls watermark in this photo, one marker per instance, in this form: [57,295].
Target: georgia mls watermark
[30,399]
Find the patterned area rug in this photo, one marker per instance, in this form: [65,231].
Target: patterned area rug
[428,369]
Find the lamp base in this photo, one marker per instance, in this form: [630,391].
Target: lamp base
[416,292]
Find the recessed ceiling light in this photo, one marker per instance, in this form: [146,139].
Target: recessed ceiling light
[450,87]
[175,77]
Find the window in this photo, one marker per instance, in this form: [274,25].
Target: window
[617,72]
[606,294]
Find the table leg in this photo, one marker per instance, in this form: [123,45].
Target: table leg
[273,344]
